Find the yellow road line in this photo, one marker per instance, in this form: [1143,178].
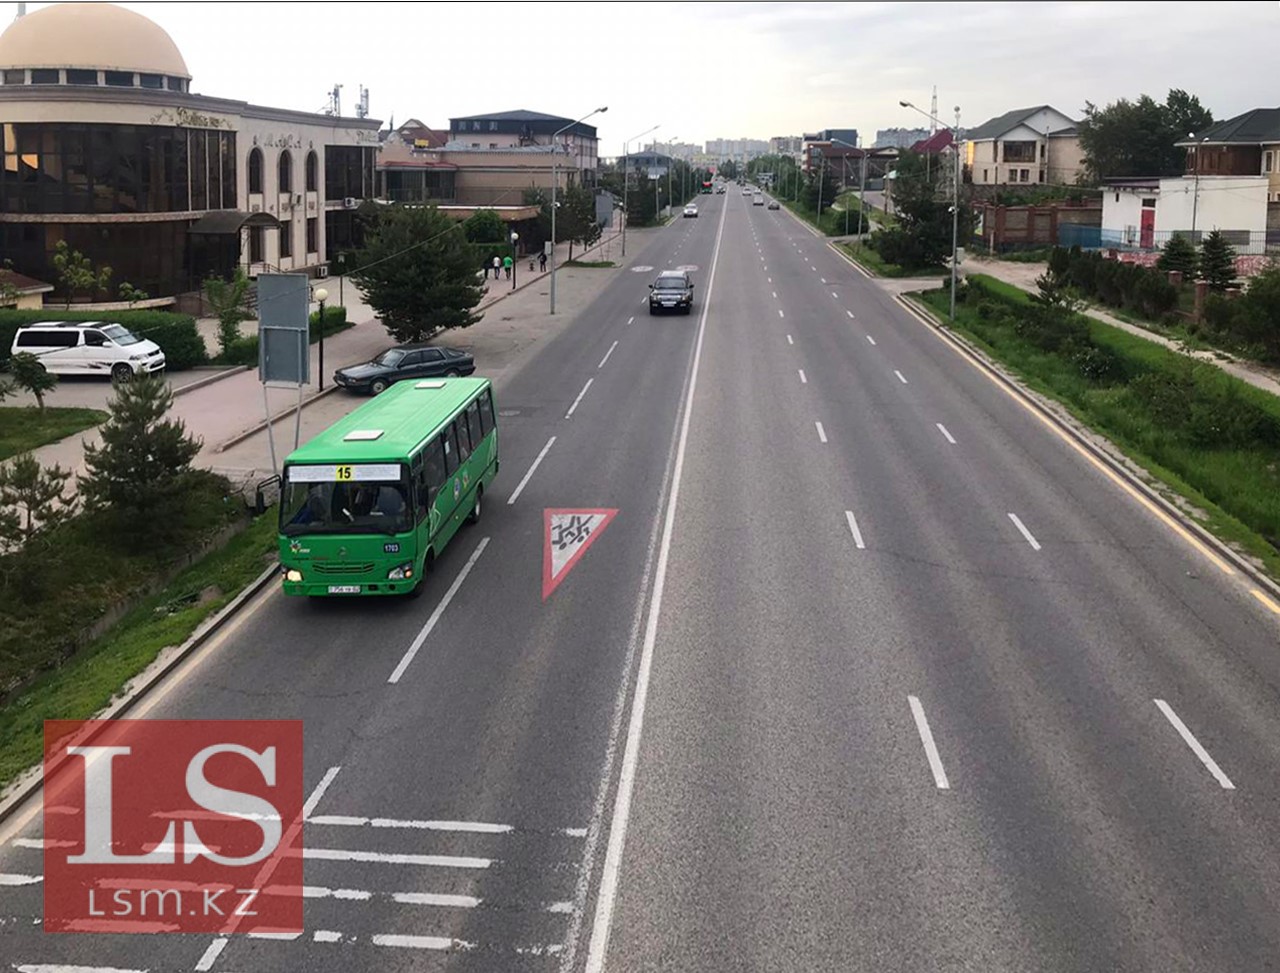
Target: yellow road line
[1270,603]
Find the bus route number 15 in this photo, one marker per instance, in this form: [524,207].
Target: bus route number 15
[343,473]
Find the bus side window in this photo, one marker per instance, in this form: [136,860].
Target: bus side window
[473,424]
[451,461]
[432,474]
[486,413]
[464,440]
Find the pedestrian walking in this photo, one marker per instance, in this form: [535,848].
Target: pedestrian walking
[506,266]
[497,266]
[542,261]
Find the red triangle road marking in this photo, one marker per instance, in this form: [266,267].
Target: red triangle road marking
[568,534]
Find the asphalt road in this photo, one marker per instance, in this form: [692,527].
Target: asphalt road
[862,675]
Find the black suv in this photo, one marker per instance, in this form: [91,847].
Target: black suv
[672,291]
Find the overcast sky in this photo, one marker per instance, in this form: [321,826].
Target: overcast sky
[731,70]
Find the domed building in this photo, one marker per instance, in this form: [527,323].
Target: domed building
[105,147]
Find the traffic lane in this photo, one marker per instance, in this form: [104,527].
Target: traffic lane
[775,835]
[1076,618]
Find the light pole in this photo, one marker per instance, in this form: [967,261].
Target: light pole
[555,178]
[844,169]
[626,179]
[514,262]
[955,202]
[821,172]
[670,162]
[1195,200]
[322,295]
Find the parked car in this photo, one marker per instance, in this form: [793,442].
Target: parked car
[404,361]
[672,291]
[691,211]
[89,348]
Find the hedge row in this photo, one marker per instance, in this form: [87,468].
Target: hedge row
[245,351]
[176,334]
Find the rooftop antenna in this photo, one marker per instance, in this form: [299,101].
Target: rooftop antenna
[22,10]
[933,111]
[362,107]
[335,101]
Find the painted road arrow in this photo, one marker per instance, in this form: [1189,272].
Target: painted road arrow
[568,535]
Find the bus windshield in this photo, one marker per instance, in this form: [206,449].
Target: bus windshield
[364,507]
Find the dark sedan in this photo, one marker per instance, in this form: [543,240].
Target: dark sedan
[406,361]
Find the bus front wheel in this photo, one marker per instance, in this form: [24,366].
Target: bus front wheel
[474,516]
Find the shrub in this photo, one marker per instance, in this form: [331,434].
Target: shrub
[1217,261]
[242,351]
[1098,365]
[1167,396]
[1178,254]
[335,320]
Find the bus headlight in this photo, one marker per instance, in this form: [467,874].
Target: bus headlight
[293,574]
[402,573]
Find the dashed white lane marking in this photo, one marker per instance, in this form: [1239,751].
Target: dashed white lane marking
[901,377]
[630,319]
[394,858]
[943,429]
[421,942]
[780,314]
[532,469]
[803,379]
[775,295]
[871,339]
[11,878]
[770,280]
[823,279]
[853,529]
[317,795]
[607,354]
[1035,544]
[467,827]
[211,954]
[930,748]
[834,294]
[848,312]
[822,433]
[1195,746]
[790,341]
[578,400]
[435,615]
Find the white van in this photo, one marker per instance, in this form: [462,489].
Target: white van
[89,348]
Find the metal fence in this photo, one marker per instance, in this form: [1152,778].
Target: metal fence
[1134,238]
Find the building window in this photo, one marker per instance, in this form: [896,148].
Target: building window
[255,244]
[1266,161]
[284,172]
[1024,175]
[475,145]
[176,84]
[286,239]
[1117,197]
[312,172]
[154,81]
[15,76]
[493,145]
[984,175]
[45,76]
[82,76]
[493,126]
[255,170]
[312,230]
[119,79]
[1149,203]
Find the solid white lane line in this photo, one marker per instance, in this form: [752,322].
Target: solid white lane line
[900,376]
[871,339]
[822,433]
[529,475]
[943,429]
[211,954]
[1194,744]
[313,801]
[607,354]
[393,858]
[435,615]
[853,529]
[780,314]
[467,827]
[610,871]
[848,312]
[930,748]
[60,968]
[803,379]
[576,401]
[14,879]
[789,340]
[1035,544]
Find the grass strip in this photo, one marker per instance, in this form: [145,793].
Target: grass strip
[24,428]
[92,678]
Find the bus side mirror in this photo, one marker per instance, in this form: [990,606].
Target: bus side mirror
[650,287]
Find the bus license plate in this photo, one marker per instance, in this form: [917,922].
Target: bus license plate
[344,589]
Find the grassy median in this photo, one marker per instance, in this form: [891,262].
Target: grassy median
[871,261]
[25,428]
[1212,438]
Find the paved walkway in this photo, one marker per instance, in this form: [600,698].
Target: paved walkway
[225,410]
[1023,276]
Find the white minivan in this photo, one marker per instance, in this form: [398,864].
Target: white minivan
[89,348]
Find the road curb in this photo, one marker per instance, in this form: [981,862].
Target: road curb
[209,380]
[27,784]
[256,428]
[993,370]
[839,252]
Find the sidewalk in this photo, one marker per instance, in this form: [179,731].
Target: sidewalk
[1023,276]
[232,407]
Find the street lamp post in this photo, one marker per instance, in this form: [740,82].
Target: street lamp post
[322,295]
[1195,200]
[670,162]
[626,179]
[955,201]
[844,170]
[555,178]
[514,262]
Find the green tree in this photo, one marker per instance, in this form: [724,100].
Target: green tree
[142,468]
[32,499]
[418,272]
[922,237]
[485,226]
[822,185]
[1217,261]
[30,375]
[728,169]
[1179,254]
[132,294]
[578,214]
[228,299]
[76,273]
[1139,138]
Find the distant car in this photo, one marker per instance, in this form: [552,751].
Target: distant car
[758,201]
[89,348]
[691,211]
[746,190]
[773,204]
[405,361]
[672,291]
[720,190]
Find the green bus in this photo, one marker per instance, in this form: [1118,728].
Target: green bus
[367,505]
